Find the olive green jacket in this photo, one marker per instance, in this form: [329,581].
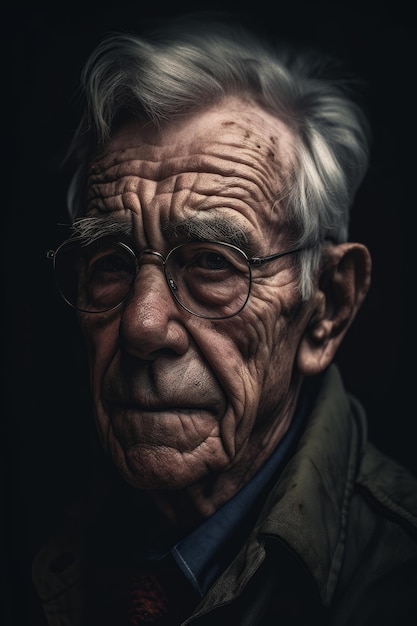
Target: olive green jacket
[335,543]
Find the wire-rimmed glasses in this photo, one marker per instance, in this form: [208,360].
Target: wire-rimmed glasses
[211,280]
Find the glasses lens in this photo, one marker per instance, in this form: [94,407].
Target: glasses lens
[94,278]
[209,280]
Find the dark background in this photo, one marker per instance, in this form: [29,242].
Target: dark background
[47,426]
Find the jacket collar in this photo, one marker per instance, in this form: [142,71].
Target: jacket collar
[308,508]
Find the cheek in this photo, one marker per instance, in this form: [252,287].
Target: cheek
[272,335]
[239,352]
[259,336]
[264,331]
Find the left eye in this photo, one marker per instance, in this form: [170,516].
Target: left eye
[211,261]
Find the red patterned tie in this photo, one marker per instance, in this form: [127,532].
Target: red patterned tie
[139,597]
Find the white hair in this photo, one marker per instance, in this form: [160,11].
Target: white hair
[190,65]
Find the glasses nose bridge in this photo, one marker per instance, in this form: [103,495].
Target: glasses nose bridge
[157,256]
[150,253]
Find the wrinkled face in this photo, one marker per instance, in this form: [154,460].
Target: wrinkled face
[179,398]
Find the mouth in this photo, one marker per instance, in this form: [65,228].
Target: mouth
[155,425]
[142,414]
[156,407]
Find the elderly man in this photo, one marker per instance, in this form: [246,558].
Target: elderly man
[210,267]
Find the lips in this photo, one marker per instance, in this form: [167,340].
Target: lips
[138,426]
[140,407]
[167,408]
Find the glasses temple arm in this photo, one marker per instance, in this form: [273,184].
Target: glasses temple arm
[261,260]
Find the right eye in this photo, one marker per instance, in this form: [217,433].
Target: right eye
[106,277]
[111,263]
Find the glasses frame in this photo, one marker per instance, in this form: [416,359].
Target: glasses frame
[251,262]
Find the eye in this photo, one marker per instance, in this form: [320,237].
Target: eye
[207,262]
[111,263]
[107,261]
[211,260]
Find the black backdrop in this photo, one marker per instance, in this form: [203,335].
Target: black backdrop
[46,446]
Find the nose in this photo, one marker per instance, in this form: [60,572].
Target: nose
[151,322]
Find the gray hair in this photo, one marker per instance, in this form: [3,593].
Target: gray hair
[181,70]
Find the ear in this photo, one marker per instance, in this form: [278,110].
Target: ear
[343,283]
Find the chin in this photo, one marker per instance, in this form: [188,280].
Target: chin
[145,472]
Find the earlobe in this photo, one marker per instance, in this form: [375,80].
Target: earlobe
[342,286]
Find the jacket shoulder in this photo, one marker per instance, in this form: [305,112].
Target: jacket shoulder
[388,486]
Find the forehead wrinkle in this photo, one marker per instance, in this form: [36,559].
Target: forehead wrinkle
[120,164]
[115,173]
[252,175]
[201,191]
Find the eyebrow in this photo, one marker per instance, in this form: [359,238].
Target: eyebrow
[212,227]
[89,229]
